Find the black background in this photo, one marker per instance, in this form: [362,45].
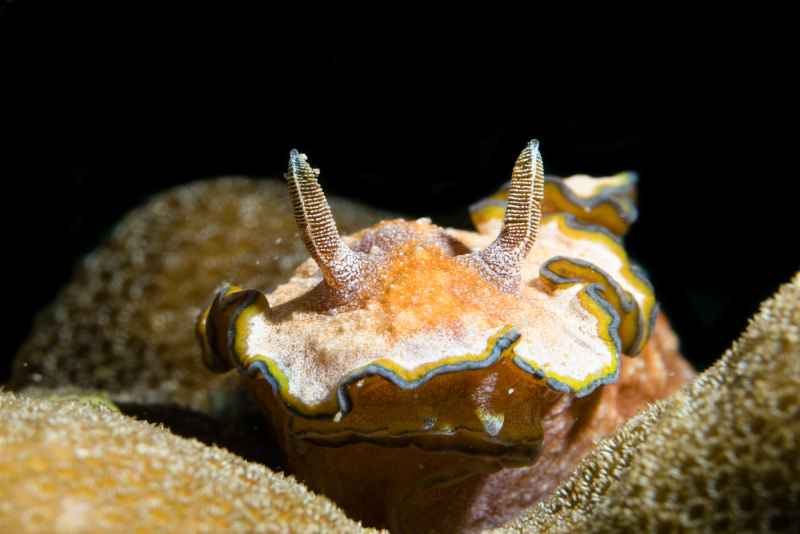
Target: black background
[101,110]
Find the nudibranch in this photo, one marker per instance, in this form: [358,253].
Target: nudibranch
[427,378]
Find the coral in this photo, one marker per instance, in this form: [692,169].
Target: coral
[121,324]
[75,465]
[721,455]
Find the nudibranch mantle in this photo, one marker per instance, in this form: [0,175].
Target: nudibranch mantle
[407,301]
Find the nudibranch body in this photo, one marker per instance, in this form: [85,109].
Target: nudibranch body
[409,364]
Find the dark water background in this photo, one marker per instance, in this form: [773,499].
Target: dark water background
[101,110]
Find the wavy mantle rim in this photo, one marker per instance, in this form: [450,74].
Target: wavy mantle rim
[266,367]
[635,274]
[497,346]
[628,214]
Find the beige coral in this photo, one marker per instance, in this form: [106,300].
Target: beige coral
[68,465]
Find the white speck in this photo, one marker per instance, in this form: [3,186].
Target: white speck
[492,422]
[74,515]
[510,391]
[360,383]
[337,417]
[278,241]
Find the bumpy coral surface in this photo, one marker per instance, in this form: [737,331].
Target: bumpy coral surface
[121,324]
[78,465]
[719,456]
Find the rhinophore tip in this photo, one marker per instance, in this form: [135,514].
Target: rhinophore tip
[341,267]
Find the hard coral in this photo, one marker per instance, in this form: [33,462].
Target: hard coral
[67,466]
